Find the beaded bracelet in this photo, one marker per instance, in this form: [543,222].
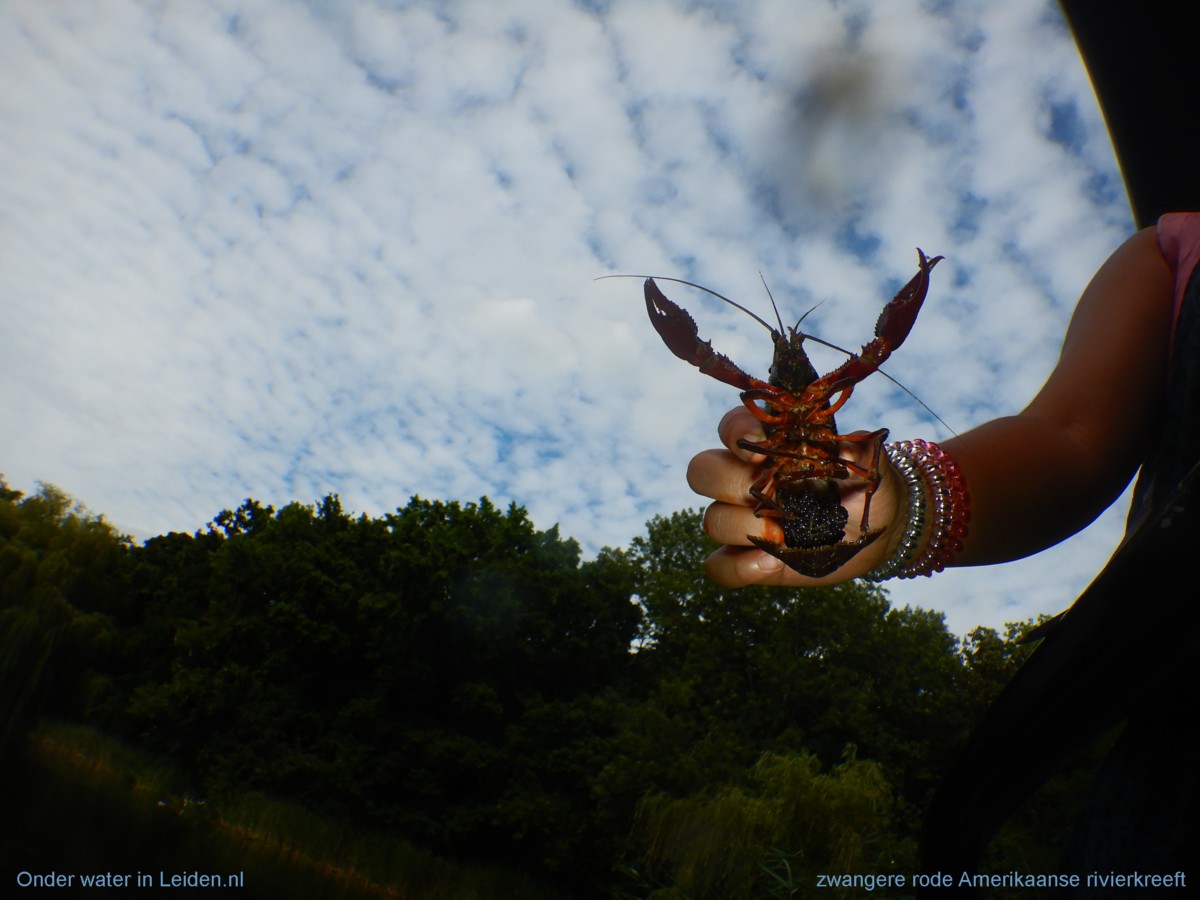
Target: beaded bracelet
[932,477]
[915,526]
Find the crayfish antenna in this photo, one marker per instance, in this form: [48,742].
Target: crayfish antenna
[800,322]
[701,287]
[771,297]
[924,405]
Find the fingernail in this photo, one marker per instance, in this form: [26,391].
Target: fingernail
[768,564]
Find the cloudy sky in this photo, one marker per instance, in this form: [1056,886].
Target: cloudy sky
[280,249]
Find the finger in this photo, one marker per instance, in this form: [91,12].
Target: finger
[739,424]
[735,567]
[728,523]
[720,475]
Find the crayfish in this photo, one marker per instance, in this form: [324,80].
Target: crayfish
[797,482]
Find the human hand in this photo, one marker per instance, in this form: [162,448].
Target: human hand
[726,476]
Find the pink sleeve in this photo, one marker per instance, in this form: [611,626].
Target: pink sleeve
[1179,240]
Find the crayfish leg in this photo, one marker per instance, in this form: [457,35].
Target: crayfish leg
[750,398]
[760,491]
[870,472]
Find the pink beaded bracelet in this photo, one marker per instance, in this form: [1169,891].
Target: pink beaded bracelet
[937,489]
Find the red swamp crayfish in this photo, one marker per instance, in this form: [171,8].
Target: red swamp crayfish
[797,482]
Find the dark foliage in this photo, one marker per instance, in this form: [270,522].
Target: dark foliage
[445,671]
[63,579]
[453,675]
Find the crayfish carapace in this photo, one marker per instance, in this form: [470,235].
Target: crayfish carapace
[797,484]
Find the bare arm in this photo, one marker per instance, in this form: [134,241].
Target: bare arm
[1035,478]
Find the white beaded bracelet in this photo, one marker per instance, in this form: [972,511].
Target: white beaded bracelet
[914,527]
[929,473]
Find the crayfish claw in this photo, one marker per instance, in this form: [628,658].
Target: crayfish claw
[897,318]
[679,332]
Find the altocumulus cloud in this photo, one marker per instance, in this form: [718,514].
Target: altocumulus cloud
[276,249]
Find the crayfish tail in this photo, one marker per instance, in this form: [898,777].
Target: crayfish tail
[816,562]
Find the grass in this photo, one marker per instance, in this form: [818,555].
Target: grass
[308,848]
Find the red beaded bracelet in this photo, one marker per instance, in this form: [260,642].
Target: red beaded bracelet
[940,495]
[951,508]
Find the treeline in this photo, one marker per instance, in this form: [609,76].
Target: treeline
[452,675]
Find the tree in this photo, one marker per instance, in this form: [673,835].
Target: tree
[808,673]
[813,669]
[786,823]
[447,670]
[62,579]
